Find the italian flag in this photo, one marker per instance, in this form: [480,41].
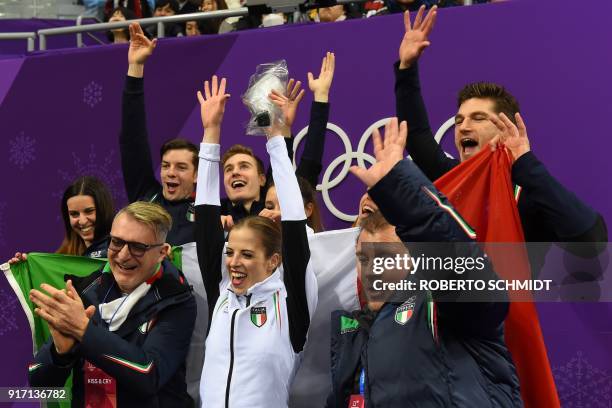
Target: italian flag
[481,190]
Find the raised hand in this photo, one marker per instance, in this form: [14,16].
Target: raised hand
[288,103]
[514,137]
[141,47]
[388,153]
[212,108]
[320,86]
[416,37]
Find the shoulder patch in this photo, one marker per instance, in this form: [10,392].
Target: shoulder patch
[405,311]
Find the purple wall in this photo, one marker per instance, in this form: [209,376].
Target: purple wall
[60,119]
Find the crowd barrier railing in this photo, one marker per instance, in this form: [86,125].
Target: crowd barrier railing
[20,36]
[160,21]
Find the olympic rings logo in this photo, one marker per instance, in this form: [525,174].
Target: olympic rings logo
[346,159]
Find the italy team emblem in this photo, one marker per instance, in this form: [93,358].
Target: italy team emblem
[258,316]
[405,311]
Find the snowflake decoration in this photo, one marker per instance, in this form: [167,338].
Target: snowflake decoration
[8,312]
[105,170]
[581,385]
[92,94]
[21,150]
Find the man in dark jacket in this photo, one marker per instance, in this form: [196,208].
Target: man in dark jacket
[549,212]
[179,157]
[417,352]
[123,332]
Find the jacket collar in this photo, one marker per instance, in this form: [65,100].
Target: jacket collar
[258,292]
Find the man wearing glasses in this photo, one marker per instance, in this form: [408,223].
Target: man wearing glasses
[123,331]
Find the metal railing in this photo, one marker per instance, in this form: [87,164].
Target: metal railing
[160,21]
[20,36]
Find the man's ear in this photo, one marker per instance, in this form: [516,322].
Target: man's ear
[164,252]
[262,180]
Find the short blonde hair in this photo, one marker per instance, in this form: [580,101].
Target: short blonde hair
[153,215]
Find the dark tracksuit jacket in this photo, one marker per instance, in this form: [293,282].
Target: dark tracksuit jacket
[446,353]
[137,165]
[148,365]
[309,167]
[549,212]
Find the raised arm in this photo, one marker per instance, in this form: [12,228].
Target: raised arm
[208,229]
[136,162]
[553,205]
[310,164]
[296,252]
[410,107]
[420,213]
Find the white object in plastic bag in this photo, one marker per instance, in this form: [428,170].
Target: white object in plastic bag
[267,77]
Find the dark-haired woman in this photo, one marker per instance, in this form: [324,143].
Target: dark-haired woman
[258,319]
[87,211]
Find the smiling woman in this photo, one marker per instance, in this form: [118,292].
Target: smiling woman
[259,302]
[87,211]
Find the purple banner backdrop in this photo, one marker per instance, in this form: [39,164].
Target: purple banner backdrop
[60,119]
[19,47]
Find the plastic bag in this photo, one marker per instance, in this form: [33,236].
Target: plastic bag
[264,113]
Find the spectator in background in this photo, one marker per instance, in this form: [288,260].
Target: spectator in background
[93,8]
[211,26]
[140,8]
[166,8]
[120,35]
[452,3]
[339,12]
[400,6]
[186,7]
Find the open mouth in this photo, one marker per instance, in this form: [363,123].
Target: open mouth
[237,278]
[238,184]
[86,229]
[367,210]
[126,267]
[172,187]
[468,146]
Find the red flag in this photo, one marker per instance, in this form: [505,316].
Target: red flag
[481,190]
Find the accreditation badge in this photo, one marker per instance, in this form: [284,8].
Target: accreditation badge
[356,401]
[100,388]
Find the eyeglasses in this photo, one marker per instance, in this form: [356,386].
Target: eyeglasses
[137,249]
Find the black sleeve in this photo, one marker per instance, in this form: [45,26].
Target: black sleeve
[209,243]
[557,208]
[136,163]
[296,254]
[421,145]
[404,199]
[50,369]
[310,164]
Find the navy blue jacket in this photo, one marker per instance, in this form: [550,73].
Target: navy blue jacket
[149,364]
[549,212]
[446,353]
[137,165]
